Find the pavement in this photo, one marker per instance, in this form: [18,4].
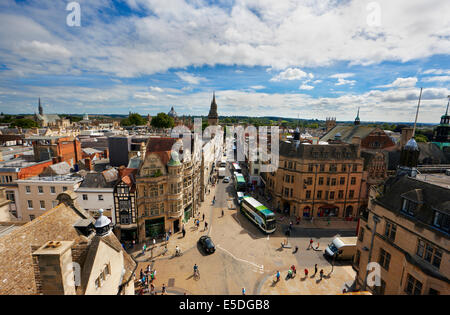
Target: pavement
[245,257]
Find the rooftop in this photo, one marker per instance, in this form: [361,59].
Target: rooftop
[56,178]
[436,179]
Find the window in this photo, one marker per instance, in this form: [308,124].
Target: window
[351,194]
[40,189]
[413,286]
[30,204]
[441,221]
[432,291]
[357,259]
[361,235]
[64,188]
[100,197]
[390,231]
[409,207]
[52,189]
[429,253]
[308,194]
[28,189]
[341,194]
[54,203]
[309,181]
[322,167]
[319,194]
[32,217]
[355,168]
[353,181]
[344,168]
[42,204]
[85,197]
[333,168]
[384,259]
[310,167]
[333,182]
[331,195]
[320,181]
[342,181]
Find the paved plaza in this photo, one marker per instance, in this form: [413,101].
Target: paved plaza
[245,257]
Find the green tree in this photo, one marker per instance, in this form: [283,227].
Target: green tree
[24,123]
[420,138]
[134,119]
[162,120]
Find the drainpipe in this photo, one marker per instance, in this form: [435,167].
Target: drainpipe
[376,220]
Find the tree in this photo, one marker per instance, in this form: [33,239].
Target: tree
[420,138]
[134,119]
[162,121]
[24,123]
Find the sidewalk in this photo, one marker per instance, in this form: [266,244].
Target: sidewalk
[188,242]
[318,223]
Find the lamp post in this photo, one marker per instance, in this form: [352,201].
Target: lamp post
[376,220]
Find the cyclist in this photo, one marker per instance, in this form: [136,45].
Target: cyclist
[195,269]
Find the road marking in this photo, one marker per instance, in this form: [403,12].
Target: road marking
[260,267]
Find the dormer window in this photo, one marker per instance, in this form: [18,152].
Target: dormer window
[441,221]
[409,207]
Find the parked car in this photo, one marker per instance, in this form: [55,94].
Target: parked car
[207,244]
[226,179]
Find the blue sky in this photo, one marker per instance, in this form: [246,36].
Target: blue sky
[288,58]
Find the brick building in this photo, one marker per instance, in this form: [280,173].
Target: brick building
[66,149]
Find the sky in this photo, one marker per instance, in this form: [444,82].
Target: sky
[310,59]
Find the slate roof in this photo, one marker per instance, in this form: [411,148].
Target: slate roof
[348,132]
[430,197]
[324,152]
[105,179]
[61,168]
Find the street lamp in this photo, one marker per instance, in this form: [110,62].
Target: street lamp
[376,220]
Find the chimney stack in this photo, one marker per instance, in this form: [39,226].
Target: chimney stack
[105,153]
[406,136]
[357,141]
[56,268]
[87,162]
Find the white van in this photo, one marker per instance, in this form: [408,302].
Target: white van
[344,246]
[240,195]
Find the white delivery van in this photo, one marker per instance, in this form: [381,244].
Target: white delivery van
[345,247]
[240,195]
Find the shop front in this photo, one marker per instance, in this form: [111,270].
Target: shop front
[154,227]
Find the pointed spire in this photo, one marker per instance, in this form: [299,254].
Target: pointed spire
[357,120]
[446,112]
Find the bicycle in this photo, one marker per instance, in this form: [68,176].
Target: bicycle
[196,275]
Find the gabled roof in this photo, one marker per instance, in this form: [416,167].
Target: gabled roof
[160,144]
[105,179]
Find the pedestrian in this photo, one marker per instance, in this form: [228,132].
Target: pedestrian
[141,274]
[344,291]
[184,232]
[143,249]
[243,291]
[290,225]
[154,242]
[315,269]
[306,272]
[310,243]
[278,275]
[321,274]
[206,225]
[222,213]
[163,289]
[203,217]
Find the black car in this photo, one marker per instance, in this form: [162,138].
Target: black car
[207,244]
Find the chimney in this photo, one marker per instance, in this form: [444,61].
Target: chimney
[54,160]
[105,153]
[56,268]
[406,136]
[87,163]
[357,141]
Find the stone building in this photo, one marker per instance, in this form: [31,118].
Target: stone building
[406,231]
[317,180]
[49,120]
[168,188]
[64,252]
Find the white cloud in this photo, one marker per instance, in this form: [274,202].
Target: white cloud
[144,96]
[291,74]
[401,83]
[190,78]
[257,87]
[436,71]
[341,77]
[306,87]
[444,78]
[156,89]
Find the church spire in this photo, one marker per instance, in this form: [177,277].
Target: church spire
[446,112]
[357,120]
[213,117]
[41,110]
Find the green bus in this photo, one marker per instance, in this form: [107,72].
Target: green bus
[259,214]
[239,182]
